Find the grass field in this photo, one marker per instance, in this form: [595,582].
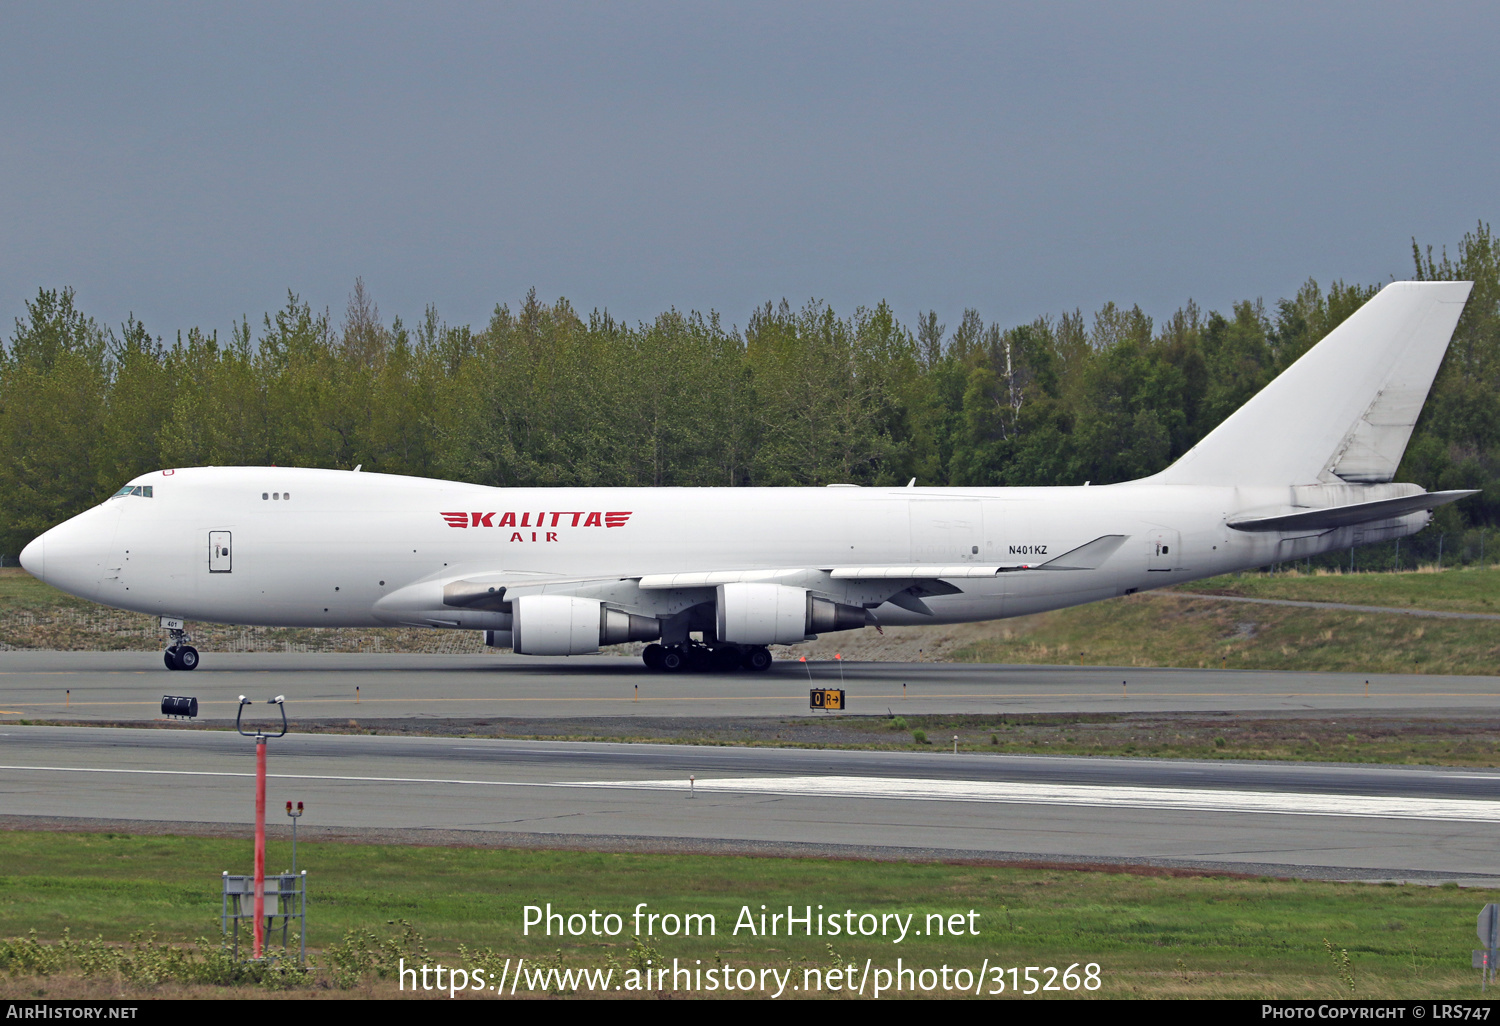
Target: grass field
[1153,935]
[1467,590]
[1166,630]
[1351,738]
[20,592]
[1385,740]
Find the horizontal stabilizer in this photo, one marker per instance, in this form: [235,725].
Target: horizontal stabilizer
[1328,518]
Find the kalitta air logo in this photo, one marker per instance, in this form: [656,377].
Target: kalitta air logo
[537,521]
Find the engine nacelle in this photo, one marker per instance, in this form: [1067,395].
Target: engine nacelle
[775,614]
[567,625]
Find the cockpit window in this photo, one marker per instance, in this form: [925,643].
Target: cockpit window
[144,491]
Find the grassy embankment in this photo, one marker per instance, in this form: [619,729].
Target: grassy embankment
[1167,630]
[1153,935]
[1459,590]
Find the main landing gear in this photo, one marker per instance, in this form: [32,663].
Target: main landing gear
[694,657]
[180,655]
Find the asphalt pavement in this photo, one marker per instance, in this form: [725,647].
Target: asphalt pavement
[1298,819]
[125,686]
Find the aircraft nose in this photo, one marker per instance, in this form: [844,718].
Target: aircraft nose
[33,557]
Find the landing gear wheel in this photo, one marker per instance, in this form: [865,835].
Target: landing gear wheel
[179,654]
[652,657]
[672,660]
[758,659]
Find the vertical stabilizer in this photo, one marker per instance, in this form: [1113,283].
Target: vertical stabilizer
[1345,410]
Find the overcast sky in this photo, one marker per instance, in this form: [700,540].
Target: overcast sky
[192,162]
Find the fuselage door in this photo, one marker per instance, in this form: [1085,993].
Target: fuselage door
[946,530]
[1163,550]
[220,552]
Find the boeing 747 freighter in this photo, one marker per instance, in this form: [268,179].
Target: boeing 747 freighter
[712,576]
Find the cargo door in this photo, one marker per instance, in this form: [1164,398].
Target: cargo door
[946,530]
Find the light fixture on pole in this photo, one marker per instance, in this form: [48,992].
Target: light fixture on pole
[296,815]
[260,813]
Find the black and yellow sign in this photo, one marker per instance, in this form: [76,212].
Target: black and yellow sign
[826,698]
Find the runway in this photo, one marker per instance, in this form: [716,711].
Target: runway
[126,686]
[1295,819]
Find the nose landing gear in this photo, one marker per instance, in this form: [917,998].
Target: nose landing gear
[180,655]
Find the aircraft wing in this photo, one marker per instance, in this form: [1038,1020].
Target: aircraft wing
[714,578]
[474,599]
[1085,557]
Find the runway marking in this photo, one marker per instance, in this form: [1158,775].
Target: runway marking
[1456,810]
[678,699]
[283,776]
[1459,810]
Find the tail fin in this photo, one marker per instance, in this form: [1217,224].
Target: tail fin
[1345,410]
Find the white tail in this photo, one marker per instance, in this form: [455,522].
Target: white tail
[1345,410]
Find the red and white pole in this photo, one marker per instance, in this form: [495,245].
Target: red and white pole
[260,844]
[259,902]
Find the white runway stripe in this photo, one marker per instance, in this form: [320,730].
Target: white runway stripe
[1460,810]
[1283,803]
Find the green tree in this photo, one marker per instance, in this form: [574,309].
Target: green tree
[54,392]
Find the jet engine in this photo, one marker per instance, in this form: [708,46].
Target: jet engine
[775,614]
[567,625]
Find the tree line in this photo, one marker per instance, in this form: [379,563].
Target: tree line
[543,395]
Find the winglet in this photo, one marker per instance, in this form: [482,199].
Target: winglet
[1090,556]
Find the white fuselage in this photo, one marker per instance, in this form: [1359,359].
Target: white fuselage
[341,549]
